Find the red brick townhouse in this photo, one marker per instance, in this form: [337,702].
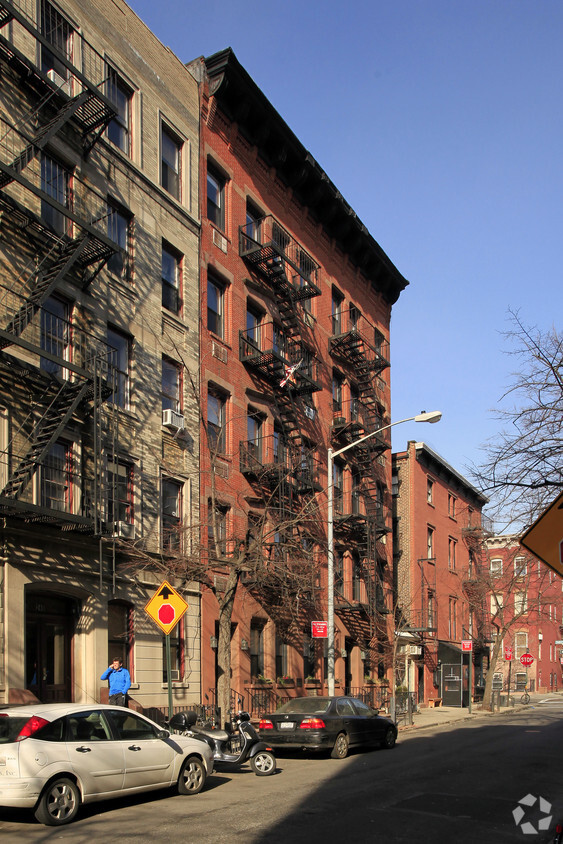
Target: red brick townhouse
[434,507]
[296,299]
[525,603]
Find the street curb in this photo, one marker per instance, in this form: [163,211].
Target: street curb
[468,717]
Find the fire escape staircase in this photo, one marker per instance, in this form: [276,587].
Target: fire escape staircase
[90,108]
[52,423]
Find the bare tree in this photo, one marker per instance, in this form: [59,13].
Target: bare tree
[523,470]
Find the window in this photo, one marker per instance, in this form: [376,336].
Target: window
[171,385]
[309,662]
[171,271]
[338,487]
[520,567]
[356,578]
[279,341]
[120,232]
[520,603]
[119,128]
[429,490]
[59,33]
[215,305]
[177,653]
[496,567]
[216,198]
[452,500]
[339,572]
[171,514]
[452,619]
[120,492]
[497,602]
[337,300]
[216,420]
[55,334]
[452,553]
[521,644]
[430,543]
[256,648]
[56,478]
[253,321]
[281,657]
[431,611]
[253,223]
[254,435]
[170,159]
[279,446]
[356,492]
[337,382]
[217,529]
[56,183]
[119,348]
[121,633]
[131,727]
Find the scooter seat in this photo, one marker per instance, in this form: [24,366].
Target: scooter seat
[218,735]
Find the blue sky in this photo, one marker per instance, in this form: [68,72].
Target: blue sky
[440,121]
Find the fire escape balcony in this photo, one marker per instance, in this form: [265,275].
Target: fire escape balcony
[418,621]
[84,85]
[266,245]
[356,342]
[352,420]
[266,350]
[266,459]
[308,474]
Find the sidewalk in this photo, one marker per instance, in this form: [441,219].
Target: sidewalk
[450,714]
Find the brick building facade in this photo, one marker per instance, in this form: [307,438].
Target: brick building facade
[290,278]
[99,276]
[433,508]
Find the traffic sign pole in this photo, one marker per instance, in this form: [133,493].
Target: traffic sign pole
[169,675]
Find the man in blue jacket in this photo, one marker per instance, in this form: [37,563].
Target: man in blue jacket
[119,682]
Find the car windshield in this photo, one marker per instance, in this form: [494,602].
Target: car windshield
[306,706]
[11,726]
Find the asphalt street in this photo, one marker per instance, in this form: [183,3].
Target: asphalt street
[453,782]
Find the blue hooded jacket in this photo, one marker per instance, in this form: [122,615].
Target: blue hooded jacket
[119,681]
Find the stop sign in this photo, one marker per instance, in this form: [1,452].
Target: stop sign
[526,659]
[166,614]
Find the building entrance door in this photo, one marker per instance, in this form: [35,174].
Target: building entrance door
[451,684]
[49,627]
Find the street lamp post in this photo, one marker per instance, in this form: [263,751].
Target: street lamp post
[432,416]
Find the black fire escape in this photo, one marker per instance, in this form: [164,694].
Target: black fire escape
[357,348]
[276,354]
[62,369]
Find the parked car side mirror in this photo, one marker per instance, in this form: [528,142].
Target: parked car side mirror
[163,734]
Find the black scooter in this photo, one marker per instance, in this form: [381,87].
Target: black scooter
[230,748]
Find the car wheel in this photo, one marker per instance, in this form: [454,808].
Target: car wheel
[263,764]
[192,776]
[389,738]
[340,749]
[59,803]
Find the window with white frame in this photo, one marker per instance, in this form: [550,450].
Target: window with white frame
[452,502]
[216,190]
[216,304]
[119,348]
[430,542]
[496,567]
[120,232]
[497,602]
[59,34]
[56,183]
[216,419]
[520,566]
[58,478]
[55,335]
[171,522]
[429,490]
[120,491]
[520,603]
[452,553]
[520,644]
[171,385]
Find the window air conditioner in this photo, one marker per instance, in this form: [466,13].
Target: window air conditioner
[173,420]
[61,83]
[124,530]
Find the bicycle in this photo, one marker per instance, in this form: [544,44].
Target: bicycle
[525,698]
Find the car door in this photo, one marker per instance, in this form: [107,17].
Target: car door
[95,757]
[372,726]
[350,720]
[149,760]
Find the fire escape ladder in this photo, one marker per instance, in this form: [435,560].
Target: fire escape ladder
[46,282]
[46,432]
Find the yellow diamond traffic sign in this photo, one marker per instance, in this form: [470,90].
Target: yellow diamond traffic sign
[166,607]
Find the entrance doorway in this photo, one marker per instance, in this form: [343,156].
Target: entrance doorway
[451,684]
[49,627]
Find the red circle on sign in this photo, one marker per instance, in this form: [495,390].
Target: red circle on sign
[166,614]
[526,659]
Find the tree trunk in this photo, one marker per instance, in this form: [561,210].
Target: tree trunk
[226,605]
[488,692]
